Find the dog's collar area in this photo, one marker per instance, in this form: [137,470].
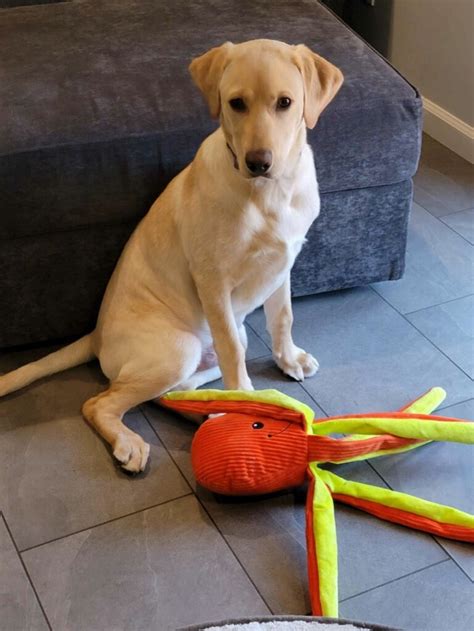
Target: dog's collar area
[234,157]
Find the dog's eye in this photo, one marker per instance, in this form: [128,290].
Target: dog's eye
[237,105]
[258,425]
[283,103]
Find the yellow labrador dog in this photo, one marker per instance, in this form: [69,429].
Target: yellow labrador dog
[218,242]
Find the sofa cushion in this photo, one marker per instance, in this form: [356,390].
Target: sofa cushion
[53,284]
[99,112]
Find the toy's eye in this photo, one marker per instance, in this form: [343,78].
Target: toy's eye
[258,425]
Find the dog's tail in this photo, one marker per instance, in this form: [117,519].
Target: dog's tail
[76,353]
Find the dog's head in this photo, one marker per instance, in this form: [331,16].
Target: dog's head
[265,93]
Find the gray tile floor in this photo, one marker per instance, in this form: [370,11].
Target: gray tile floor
[85,547]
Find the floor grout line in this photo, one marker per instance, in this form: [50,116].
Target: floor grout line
[453,229]
[142,408]
[234,554]
[445,407]
[103,523]
[422,334]
[456,212]
[259,336]
[450,557]
[198,499]
[260,339]
[394,580]
[266,356]
[425,190]
[311,396]
[25,569]
[439,304]
[369,462]
[440,350]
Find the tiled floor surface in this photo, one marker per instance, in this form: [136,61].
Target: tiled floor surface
[85,547]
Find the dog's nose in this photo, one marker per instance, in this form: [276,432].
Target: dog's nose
[258,162]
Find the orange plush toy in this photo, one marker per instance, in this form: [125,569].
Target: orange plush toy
[266,441]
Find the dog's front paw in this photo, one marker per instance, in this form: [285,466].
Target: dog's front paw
[131,451]
[241,382]
[298,364]
[245,384]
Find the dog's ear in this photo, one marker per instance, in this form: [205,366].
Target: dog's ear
[322,81]
[207,71]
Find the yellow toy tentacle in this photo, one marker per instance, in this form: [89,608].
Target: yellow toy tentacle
[400,424]
[427,403]
[321,547]
[402,502]
[270,396]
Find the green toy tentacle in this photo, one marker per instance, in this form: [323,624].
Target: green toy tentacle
[426,404]
[271,396]
[460,524]
[400,424]
[321,547]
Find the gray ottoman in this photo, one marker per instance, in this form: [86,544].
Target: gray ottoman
[99,113]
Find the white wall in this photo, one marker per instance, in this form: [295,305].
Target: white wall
[432,44]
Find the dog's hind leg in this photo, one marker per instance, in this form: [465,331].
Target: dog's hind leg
[136,383]
[212,370]
[200,378]
[104,413]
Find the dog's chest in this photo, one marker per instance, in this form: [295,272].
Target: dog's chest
[274,247]
[270,243]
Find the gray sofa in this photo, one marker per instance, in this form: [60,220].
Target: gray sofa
[98,113]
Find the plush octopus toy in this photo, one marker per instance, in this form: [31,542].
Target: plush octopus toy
[265,441]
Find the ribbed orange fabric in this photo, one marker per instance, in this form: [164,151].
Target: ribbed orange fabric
[418,522]
[327,449]
[238,454]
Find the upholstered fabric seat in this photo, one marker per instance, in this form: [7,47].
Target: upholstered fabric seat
[98,113]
